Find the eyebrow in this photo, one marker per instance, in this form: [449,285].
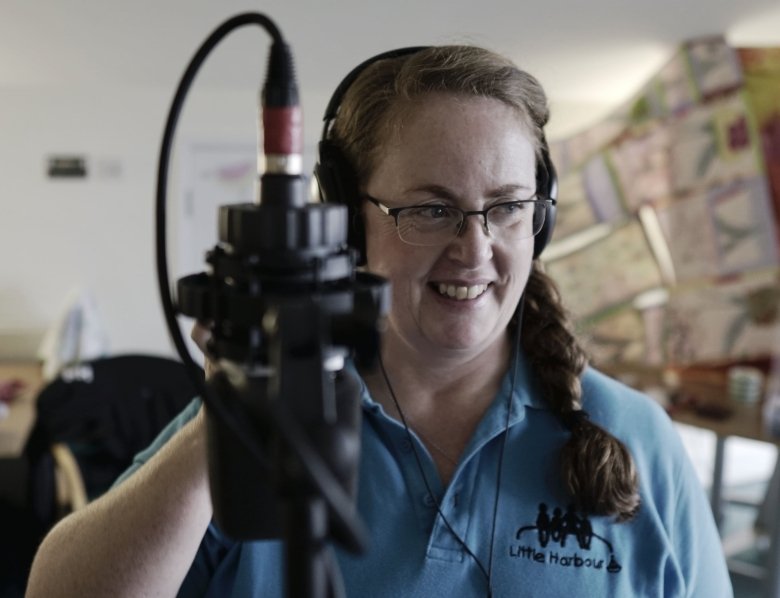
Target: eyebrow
[446,193]
[508,190]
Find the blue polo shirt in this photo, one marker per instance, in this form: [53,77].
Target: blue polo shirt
[541,545]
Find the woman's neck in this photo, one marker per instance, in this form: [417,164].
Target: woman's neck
[441,401]
[426,387]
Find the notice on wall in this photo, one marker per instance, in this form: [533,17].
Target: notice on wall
[736,319]
[608,272]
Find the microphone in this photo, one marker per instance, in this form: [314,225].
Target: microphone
[287,308]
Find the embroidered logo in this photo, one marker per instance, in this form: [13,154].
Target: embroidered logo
[564,540]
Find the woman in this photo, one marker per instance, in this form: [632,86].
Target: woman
[493,461]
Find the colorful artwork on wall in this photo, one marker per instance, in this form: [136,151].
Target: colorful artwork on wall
[734,319]
[608,272]
[699,147]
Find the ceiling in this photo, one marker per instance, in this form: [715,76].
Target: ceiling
[590,56]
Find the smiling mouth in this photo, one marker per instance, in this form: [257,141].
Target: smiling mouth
[461,293]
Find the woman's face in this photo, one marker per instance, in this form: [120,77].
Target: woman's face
[468,152]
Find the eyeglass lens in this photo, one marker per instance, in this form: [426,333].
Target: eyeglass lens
[434,225]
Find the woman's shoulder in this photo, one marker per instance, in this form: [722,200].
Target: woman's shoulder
[648,432]
[602,391]
[622,410]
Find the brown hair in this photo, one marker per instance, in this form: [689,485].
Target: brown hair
[597,468]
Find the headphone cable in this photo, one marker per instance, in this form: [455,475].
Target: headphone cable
[515,357]
[486,572]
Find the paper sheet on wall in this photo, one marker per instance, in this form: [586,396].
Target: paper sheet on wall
[731,320]
[712,145]
[762,94]
[212,174]
[641,165]
[607,273]
[721,231]
[588,196]
[618,337]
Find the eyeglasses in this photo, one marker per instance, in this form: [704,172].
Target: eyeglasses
[438,224]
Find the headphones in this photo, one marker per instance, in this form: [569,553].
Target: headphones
[338,183]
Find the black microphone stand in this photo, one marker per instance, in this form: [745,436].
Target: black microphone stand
[287,308]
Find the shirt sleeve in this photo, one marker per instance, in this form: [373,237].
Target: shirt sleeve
[699,549]
[176,424]
[671,490]
[673,486]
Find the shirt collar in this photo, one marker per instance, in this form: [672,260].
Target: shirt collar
[518,380]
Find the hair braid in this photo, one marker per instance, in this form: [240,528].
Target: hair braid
[597,468]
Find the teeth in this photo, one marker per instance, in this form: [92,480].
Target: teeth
[462,292]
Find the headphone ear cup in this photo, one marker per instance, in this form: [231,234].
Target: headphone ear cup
[547,182]
[338,185]
[544,236]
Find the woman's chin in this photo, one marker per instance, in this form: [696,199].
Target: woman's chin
[461,340]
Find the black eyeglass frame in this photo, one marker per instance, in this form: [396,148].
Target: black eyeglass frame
[536,199]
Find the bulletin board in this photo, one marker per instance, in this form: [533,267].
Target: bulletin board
[697,148]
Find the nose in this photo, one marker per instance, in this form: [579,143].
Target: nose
[473,245]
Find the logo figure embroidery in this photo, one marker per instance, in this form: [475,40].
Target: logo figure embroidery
[559,527]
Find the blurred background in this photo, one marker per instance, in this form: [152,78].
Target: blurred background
[94,80]
[665,130]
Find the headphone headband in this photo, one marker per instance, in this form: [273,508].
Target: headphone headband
[338,94]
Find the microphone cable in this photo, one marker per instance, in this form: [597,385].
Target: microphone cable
[163,280]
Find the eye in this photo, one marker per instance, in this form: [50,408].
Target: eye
[511,208]
[509,213]
[431,212]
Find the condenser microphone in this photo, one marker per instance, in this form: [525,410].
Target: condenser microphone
[287,308]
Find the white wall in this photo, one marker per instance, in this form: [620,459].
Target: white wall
[95,233]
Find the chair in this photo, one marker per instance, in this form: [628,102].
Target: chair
[90,422]
[70,492]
